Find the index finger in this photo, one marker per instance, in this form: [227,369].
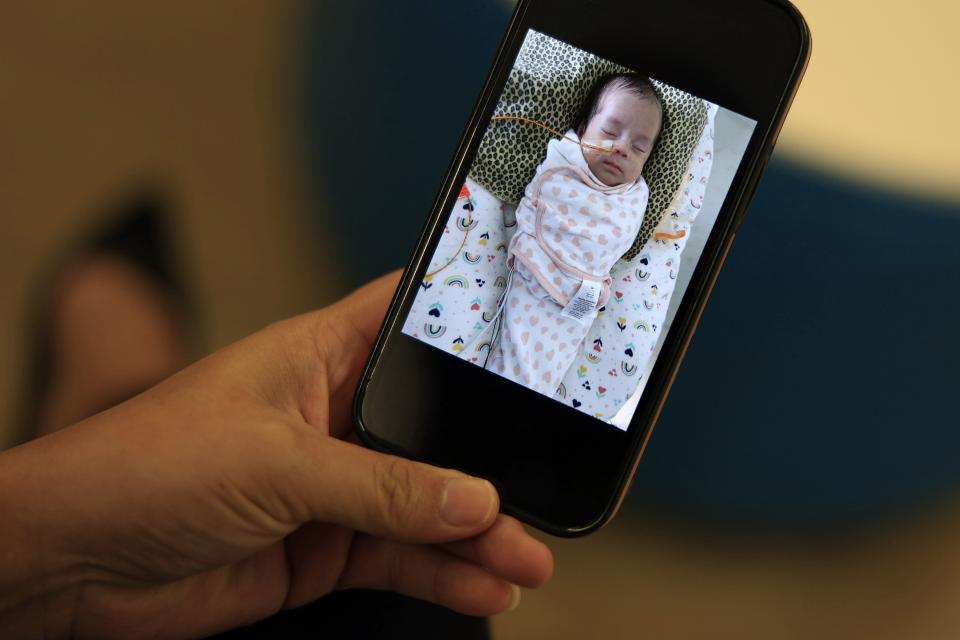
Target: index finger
[344,334]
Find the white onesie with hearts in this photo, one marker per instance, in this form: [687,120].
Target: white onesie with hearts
[571,229]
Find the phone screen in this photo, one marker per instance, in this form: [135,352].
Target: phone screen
[575,234]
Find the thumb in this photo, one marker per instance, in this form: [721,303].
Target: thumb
[392,497]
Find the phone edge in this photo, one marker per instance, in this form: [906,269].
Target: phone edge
[409,269]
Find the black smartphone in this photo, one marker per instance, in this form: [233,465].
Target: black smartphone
[591,202]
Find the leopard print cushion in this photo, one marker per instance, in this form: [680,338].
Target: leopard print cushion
[548,83]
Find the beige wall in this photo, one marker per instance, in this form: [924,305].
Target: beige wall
[880,97]
[97,97]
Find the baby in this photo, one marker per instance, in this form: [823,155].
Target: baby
[578,216]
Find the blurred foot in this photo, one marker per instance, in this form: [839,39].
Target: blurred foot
[114,333]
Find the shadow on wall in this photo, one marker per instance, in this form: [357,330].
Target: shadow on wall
[383,120]
[819,386]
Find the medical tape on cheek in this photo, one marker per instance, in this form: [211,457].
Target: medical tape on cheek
[608,146]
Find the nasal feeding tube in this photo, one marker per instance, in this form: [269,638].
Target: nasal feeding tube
[596,146]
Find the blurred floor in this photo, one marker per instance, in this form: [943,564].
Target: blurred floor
[640,578]
[195,98]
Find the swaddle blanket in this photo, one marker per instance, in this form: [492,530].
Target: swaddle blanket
[572,227]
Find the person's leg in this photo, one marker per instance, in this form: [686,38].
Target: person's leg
[113,333]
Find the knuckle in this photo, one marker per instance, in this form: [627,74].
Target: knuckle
[396,492]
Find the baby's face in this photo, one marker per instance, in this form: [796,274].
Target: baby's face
[627,124]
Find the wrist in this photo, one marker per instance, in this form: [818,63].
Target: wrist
[40,577]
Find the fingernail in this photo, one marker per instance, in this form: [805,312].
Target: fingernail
[467,501]
[514,597]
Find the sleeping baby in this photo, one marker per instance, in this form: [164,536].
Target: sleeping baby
[578,216]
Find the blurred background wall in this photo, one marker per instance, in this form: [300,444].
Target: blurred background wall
[192,100]
[803,479]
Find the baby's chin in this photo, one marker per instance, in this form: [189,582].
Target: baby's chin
[607,176]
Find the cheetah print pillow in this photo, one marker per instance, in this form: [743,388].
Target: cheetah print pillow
[548,83]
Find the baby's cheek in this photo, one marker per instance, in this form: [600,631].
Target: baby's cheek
[592,163]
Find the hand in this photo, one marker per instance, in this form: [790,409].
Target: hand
[231,490]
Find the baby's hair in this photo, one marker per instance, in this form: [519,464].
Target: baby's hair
[632,82]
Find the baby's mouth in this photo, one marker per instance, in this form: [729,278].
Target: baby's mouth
[612,165]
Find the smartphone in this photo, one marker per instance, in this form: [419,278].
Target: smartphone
[591,202]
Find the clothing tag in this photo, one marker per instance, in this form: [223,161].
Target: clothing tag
[581,306]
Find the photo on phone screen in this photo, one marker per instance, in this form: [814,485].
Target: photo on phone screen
[578,227]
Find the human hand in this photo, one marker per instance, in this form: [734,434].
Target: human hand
[229,491]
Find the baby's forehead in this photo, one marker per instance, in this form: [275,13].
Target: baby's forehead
[621,95]
[619,103]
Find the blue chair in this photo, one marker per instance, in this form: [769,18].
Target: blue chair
[820,385]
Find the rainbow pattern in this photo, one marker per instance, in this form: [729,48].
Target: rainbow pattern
[471,258]
[484,347]
[627,368]
[500,282]
[434,330]
[457,281]
[640,325]
[466,224]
